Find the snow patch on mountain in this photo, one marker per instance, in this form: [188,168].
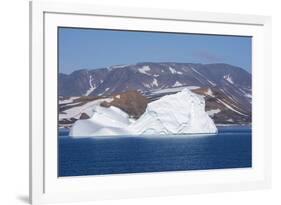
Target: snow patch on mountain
[248,95]
[119,66]
[231,108]
[144,70]
[155,82]
[174,71]
[68,100]
[211,113]
[180,113]
[146,85]
[174,90]
[228,79]
[87,108]
[209,92]
[92,88]
[177,84]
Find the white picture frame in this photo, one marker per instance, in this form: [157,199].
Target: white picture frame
[46,186]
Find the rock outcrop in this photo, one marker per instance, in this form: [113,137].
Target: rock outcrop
[131,102]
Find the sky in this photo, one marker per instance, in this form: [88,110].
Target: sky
[97,48]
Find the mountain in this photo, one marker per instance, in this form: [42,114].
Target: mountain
[226,88]
[148,76]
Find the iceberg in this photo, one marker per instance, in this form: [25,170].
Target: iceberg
[105,121]
[180,113]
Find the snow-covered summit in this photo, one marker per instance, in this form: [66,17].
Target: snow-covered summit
[180,113]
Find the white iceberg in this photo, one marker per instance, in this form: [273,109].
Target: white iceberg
[180,113]
[105,121]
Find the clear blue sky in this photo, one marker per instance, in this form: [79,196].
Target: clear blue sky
[92,48]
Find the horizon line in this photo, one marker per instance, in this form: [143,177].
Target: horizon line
[143,62]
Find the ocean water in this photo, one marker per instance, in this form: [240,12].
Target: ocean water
[230,148]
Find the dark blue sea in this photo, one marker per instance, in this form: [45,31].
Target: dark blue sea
[230,148]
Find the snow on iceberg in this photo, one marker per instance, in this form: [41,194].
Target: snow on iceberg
[180,113]
[105,121]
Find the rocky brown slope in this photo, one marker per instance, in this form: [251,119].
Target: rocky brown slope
[131,102]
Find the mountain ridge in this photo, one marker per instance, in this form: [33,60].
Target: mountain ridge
[146,62]
[227,89]
[140,76]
